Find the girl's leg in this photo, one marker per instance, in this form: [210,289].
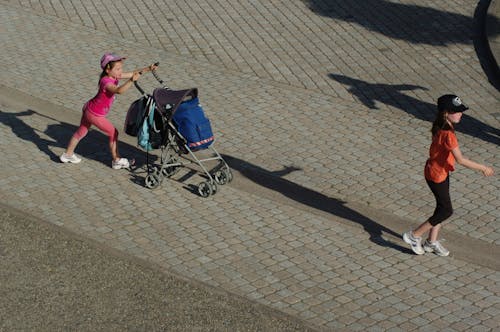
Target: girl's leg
[107,127]
[73,142]
[442,212]
[433,244]
[414,239]
[80,133]
[113,147]
[422,229]
[434,233]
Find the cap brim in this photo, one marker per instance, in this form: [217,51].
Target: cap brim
[118,58]
[460,109]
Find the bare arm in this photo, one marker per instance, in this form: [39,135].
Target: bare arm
[142,71]
[487,171]
[125,86]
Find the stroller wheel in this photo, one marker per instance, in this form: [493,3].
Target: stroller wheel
[152,181]
[169,171]
[214,187]
[205,189]
[220,177]
[229,174]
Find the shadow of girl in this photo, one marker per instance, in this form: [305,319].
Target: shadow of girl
[59,134]
[313,199]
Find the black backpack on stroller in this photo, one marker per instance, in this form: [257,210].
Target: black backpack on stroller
[142,121]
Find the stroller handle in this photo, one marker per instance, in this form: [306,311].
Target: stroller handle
[138,87]
[158,77]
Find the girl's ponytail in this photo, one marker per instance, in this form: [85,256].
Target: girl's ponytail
[440,123]
[109,65]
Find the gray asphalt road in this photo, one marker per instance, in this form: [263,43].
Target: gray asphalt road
[51,280]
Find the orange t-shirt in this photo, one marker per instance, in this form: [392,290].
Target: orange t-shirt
[441,160]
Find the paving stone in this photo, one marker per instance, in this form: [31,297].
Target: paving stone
[282,98]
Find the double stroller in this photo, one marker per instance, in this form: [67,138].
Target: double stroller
[174,122]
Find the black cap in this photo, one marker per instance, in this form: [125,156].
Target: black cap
[451,103]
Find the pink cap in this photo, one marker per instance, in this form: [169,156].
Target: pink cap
[110,57]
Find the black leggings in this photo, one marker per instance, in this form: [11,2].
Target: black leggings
[443,210]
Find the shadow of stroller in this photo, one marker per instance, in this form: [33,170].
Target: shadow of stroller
[391,94]
[274,181]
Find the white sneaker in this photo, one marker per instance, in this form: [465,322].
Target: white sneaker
[120,163]
[436,247]
[414,242]
[74,159]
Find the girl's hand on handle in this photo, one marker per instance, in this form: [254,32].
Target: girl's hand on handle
[487,171]
[151,67]
[135,76]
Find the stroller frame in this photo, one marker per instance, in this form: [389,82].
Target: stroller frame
[174,145]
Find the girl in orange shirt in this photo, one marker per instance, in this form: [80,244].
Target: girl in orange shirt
[443,153]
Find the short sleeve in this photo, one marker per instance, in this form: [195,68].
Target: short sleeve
[104,82]
[451,141]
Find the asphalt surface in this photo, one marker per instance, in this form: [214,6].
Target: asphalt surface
[53,280]
[321,109]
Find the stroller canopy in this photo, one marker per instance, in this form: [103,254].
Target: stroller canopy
[164,97]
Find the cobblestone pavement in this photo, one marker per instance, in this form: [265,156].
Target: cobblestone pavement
[331,98]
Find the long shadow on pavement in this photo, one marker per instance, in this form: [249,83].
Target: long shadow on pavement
[61,132]
[27,133]
[413,23]
[391,94]
[94,146]
[274,181]
[482,44]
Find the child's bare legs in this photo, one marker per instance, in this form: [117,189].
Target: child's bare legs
[421,230]
[73,142]
[434,233]
[80,133]
[113,147]
[117,162]
[431,245]
[442,212]
[427,227]
[69,155]
[103,124]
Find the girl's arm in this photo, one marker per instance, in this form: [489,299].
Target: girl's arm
[487,171]
[142,71]
[125,86]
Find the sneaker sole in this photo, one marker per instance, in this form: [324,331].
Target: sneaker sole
[429,250]
[66,161]
[120,167]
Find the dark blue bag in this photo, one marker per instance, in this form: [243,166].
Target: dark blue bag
[135,116]
[192,123]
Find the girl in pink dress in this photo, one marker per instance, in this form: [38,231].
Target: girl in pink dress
[96,109]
